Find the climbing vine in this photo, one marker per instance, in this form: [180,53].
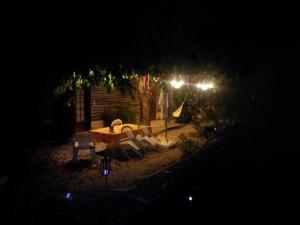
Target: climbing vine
[112,79]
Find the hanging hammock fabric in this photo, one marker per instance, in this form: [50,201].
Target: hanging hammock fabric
[178,111]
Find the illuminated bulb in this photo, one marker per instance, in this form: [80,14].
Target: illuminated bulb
[105,172]
[76,144]
[177,84]
[205,87]
[68,195]
[190,198]
[173,82]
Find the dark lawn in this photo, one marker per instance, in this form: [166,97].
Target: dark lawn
[254,180]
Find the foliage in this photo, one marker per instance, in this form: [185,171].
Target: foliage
[187,145]
[185,117]
[124,113]
[197,124]
[116,78]
[225,105]
[95,77]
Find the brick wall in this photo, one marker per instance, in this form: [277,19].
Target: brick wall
[101,100]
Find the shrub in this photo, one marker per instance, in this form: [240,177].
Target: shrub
[186,145]
[121,112]
[197,124]
[186,116]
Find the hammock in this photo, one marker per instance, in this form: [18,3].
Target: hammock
[178,111]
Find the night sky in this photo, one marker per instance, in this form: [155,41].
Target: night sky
[73,37]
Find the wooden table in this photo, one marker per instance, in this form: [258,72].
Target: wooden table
[104,134]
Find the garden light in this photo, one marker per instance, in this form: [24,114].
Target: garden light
[105,166]
[205,86]
[68,196]
[177,83]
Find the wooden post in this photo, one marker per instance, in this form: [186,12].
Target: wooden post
[144,103]
[166,127]
[147,102]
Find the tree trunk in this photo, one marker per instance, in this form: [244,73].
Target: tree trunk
[144,103]
[147,103]
[145,109]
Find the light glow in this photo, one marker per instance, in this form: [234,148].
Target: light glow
[190,198]
[68,196]
[105,172]
[177,83]
[205,86]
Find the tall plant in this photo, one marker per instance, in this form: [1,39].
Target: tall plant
[225,105]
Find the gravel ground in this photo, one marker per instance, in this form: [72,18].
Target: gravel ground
[123,173]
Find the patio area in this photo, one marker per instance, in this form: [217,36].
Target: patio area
[55,177]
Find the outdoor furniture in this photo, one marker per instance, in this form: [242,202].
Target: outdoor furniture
[132,142]
[116,122]
[143,143]
[154,140]
[112,138]
[149,135]
[83,141]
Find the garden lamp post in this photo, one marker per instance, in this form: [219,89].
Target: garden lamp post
[105,166]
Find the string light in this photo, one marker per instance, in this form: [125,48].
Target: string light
[205,86]
[177,84]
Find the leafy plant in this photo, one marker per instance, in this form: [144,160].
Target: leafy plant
[197,124]
[186,145]
[186,116]
[116,79]
[121,112]
[225,105]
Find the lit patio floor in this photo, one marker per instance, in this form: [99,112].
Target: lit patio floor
[123,173]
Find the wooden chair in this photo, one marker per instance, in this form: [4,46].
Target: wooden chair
[84,141]
[150,136]
[144,144]
[132,141]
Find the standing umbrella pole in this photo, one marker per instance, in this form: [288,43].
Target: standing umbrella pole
[164,103]
[166,130]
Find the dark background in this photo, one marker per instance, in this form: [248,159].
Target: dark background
[47,41]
